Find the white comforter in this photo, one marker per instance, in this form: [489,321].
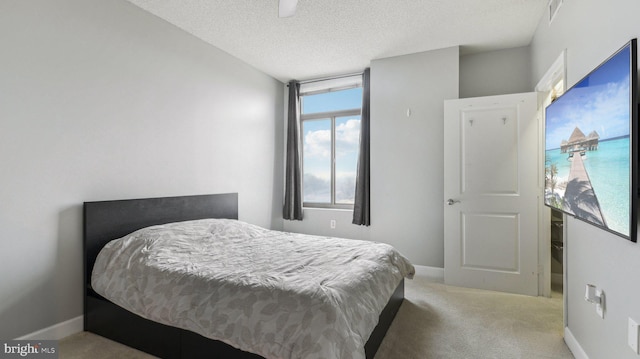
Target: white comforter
[276,294]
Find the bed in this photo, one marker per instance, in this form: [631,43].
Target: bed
[108,220]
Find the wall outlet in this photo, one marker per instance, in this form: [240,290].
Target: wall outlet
[332,224]
[633,335]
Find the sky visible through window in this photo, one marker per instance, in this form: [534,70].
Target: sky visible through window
[317,147]
[333,101]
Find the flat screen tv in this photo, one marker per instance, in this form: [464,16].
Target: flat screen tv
[591,157]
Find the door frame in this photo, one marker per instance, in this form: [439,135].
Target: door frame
[555,73]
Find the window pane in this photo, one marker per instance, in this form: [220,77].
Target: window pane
[332,101]
[316,147]
[347,148]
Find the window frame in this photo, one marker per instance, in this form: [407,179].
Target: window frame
[328,115]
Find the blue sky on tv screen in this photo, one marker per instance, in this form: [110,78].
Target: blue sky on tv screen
[599,102]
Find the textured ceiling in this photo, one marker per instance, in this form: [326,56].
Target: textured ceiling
[329,37]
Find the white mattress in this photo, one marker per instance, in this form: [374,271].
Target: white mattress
[276,294]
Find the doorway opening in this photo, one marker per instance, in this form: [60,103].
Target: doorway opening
[551,86]
[556,218]
[553,244]
[557,252]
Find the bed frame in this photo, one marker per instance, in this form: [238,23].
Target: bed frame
[108,220]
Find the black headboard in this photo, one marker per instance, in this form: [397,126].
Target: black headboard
[108,220]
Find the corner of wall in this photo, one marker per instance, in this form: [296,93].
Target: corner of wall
[57,331]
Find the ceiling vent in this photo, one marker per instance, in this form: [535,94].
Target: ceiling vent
[554,7]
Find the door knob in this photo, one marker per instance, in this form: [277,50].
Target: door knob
[451,202]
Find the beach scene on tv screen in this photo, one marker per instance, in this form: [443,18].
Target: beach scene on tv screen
[587,148]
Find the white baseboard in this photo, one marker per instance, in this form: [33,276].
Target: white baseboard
[435,272]
[573,345]
[57,331]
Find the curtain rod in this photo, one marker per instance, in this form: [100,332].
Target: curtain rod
[330,78]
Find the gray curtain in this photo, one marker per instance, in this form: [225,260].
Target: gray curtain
[293,185]
[362,204]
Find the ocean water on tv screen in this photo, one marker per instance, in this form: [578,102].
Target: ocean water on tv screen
[610,181]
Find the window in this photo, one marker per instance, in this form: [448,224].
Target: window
[330,146]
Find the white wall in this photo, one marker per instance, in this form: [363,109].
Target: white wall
[406,158]
[100,100]
[497,72]
[317,221]
[407,184]
[591,31]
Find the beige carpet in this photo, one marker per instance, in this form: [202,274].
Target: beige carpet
[439,321]
[435,321]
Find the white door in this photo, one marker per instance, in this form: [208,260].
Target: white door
[491,174]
